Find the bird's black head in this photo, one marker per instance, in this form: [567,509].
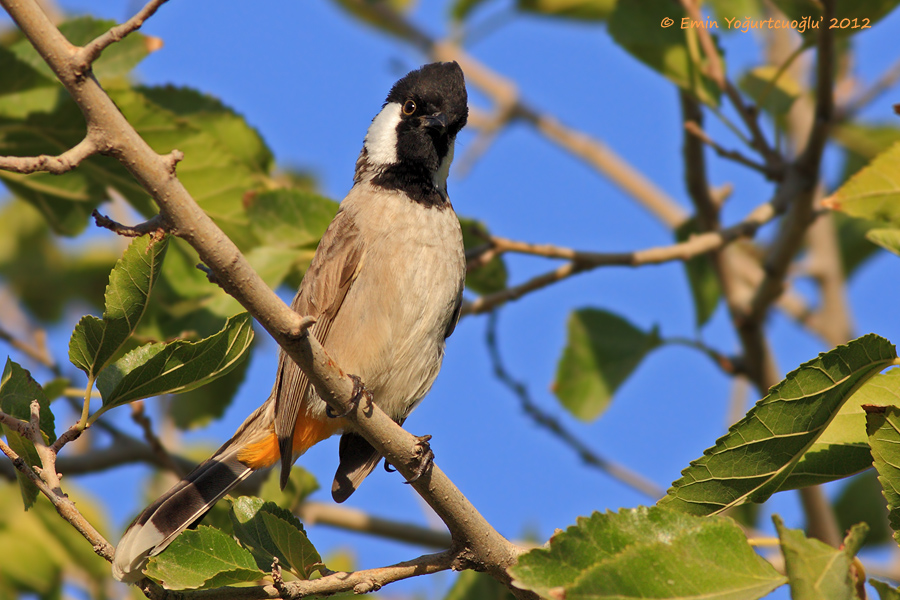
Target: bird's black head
[409,145]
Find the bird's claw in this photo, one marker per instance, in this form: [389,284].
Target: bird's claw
[424,458]
[359,391]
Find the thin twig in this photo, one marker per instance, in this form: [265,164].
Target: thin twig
[92,50]
[887,80]
[318,513]
[55,165]
[586,261]
[155,226]
[555,427]
[694,129]
[65,507]
[139,416]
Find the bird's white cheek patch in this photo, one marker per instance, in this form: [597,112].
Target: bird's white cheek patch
[381,139]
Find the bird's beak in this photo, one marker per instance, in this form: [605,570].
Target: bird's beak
[438,121]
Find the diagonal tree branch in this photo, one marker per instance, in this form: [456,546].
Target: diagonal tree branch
[476,543]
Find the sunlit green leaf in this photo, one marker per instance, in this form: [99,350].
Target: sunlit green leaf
[758,453]
[94,341]
[775,96]
[602,350]
[883,428]
[681,556]
[874,192]
[271,531]
[885,591]
[203,558]
[817,571]
[289,218]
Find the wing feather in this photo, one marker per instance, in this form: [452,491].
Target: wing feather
[333,270]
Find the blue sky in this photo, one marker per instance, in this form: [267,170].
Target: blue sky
[310,79]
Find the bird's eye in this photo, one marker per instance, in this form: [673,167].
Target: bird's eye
[409,107]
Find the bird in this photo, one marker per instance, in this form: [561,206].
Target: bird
[385,287]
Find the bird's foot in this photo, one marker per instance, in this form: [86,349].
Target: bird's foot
[424,458]
[360,391]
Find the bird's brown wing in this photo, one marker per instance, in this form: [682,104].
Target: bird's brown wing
[334,268]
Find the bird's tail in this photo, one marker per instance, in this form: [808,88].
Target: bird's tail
[173,512]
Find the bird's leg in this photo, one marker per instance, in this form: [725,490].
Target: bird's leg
[360,391]
[424,458]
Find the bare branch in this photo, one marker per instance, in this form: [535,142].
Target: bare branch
[65,507]
[55,165]
[318,513]
[887,80]
[359,582]
[694,129]
[155,226]
[92,51]
[586,261]
[480,546]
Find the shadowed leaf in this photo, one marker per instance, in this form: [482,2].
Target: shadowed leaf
[602,350]
[155,369]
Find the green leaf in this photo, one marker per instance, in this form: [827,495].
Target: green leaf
[817,571]
[36,547]
[94,342]
[217,169]
[290,218]
[579,10]
[883,428]
[198,407]
[866,15]
[758,453]
[672,51]
[17,391]
[701,273]
[271,531]
[862,142]
[843,448]
[647,553]
[18,76]
[30,256]
[155,369]
[472,585]
[775,96]
[861,501]
[66,201]
[874,192]
[117,60]
[203,558]
[601,352]
[490,277]
[365,12]
[885,591]
[889,239]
